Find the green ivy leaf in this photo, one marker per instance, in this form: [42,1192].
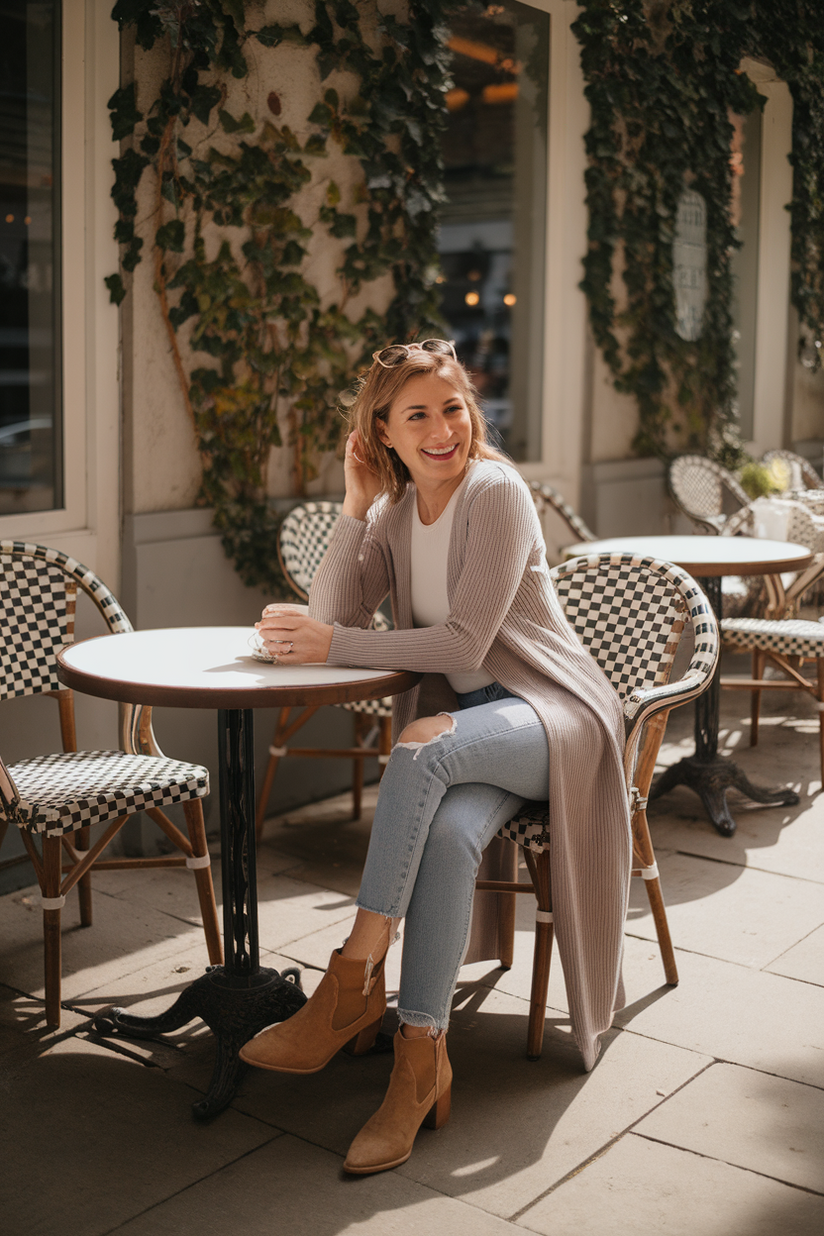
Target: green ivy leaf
[229,125]
[117,292]
[124,112]
[171,236]
[203,100]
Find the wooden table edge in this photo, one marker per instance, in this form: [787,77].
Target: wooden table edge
[393,682]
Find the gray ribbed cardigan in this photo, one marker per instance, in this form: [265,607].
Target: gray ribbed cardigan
[505,616]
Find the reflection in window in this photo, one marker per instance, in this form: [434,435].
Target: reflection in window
[30,429]
[492,238]
[746,165]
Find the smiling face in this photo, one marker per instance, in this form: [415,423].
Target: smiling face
[430,429]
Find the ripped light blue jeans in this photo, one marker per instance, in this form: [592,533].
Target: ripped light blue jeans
[439,806]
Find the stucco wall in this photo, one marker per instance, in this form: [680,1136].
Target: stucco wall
[161,469]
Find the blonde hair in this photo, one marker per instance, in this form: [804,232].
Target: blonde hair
[378,389]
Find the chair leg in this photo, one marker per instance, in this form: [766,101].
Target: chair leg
[539,869]
[271,769]
[384,743]
[643,851]
[759,660]
[820,698]
[84,884]
[659,917]
[52,959]
[193,810]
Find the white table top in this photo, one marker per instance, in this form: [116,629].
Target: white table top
[706,555]
[210,667]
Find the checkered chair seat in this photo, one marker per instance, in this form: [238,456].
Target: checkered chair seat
[69,790]
[791,636]
[529,828]
[371,708]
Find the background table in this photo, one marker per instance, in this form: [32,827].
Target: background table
[709,558]
[213,667]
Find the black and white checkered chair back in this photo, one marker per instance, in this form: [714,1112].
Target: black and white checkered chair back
[698,486]
[630,612]
[304,539]
[38,595]
[544,495]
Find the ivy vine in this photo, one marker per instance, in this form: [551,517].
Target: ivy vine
[662,77]
[278,357]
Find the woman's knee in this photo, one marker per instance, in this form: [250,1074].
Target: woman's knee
[426,729]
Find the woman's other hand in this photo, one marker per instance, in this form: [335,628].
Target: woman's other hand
[293,636]
[362,484]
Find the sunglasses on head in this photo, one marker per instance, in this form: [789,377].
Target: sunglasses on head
[397,352]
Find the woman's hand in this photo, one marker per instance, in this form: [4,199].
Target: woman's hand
[362,483]
[292,636]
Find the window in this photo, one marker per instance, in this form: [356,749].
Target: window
[494,222]
[31,463]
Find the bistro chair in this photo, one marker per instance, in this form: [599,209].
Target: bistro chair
[802,473]
[705,492]
[61,797]
[546,497]
[630,612]
[785,642]
[304,538]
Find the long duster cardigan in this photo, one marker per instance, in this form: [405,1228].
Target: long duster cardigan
[505,616]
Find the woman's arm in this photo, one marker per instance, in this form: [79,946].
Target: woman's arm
[501,539]
[352,580]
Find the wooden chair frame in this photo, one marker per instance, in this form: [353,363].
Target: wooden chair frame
[646,709]
[62,864]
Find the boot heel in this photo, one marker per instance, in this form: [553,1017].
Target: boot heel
[438,1113]
[363,1040]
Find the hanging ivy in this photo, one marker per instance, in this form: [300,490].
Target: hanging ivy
[229,240]
[662,78]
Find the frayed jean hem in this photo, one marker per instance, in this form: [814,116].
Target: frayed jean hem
[408,1018]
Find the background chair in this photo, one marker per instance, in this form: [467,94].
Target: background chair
[644,606]
[706,493]
[544,496]
[802,473]
[303,540]
[64,795]
[785,642]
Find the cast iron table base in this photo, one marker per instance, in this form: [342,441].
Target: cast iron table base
[239,998]
[234,1015]
[707,772]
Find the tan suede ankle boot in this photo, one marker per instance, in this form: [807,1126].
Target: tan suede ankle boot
[420,1090]
[345,1011]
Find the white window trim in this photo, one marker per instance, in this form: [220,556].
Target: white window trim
[87,526]
[774,241]
[565,314]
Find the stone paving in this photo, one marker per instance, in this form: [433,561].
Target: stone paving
[703,1117]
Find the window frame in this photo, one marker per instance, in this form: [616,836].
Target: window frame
[87,524]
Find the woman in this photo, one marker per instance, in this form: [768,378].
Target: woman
[438,519]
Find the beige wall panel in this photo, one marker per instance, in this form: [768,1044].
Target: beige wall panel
[614,416]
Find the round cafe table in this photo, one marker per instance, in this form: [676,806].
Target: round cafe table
[708,559]
[213,667]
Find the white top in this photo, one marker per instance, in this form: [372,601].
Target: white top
[705,555]
[430,600]
[198,659]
